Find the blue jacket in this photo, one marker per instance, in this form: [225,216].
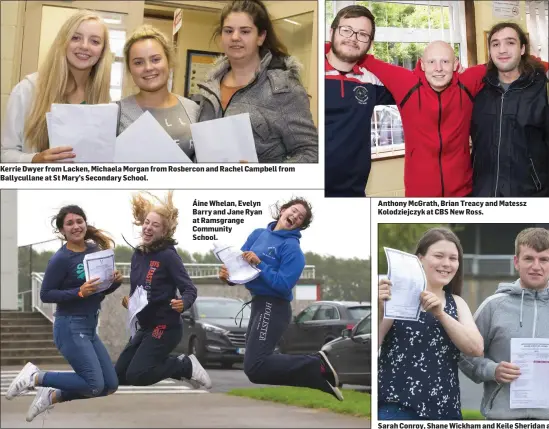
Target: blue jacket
[282,261]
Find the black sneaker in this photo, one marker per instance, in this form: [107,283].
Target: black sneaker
[329,374]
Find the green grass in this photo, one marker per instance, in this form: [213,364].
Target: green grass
[472,415]
[355,404]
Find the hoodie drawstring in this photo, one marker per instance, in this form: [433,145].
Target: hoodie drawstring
[521,302]
[241,312]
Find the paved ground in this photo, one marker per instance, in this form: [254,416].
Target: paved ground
[165,409]
[471,393]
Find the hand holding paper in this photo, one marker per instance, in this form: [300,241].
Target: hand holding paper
[100,265]
[407,282]
[239,270]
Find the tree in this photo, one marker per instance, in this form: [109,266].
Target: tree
[342,279]
[401,236]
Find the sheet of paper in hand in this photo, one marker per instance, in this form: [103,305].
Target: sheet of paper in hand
[100,264]
[90,129]
[228,139]
[146,141]
[408,281]
[240,271]
[137,302]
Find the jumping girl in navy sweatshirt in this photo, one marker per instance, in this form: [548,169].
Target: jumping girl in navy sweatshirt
[75,325]
[276,252]
[157,268]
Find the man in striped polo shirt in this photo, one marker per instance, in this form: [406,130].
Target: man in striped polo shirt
[352,92]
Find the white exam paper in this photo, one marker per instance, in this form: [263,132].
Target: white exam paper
[146,141]
[90,129]
[100,264]
[137,302]
[240,271]
[228,139]
[408,281]
[532,356]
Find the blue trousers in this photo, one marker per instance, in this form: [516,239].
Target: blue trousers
[94,374]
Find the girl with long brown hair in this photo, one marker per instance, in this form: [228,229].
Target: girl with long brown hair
[76,70]
[258,76]
[76,316]
[418,363]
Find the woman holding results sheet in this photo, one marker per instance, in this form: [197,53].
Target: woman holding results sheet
[258,76]
[76,70]
[149,57]
[418,363]
[158,272]
[276,251]
[75,325]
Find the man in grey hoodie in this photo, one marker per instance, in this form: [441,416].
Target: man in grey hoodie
[516,310]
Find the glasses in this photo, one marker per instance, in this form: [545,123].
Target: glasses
[348,33]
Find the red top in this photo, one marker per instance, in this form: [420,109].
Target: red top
[437,161]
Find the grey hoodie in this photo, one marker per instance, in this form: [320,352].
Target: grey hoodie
[278,105]
[512,312]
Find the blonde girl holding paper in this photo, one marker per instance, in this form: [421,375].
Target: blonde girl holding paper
[149,57]
[76,70]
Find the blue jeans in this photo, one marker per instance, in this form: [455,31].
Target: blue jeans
[392,411]
[78,342]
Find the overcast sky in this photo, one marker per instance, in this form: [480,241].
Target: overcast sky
[341,227]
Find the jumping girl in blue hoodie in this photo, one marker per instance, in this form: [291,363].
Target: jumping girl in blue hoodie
[275,250]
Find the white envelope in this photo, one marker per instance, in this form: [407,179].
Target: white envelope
[228,139]
[146,141]
[90,129]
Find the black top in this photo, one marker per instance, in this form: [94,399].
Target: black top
[510,134]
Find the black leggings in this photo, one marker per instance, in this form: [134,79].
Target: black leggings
[146,359]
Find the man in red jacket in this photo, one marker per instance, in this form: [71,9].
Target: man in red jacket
[436,103]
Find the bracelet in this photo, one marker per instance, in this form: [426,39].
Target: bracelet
[80,294]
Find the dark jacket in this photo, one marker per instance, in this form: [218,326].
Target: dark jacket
[160,271]
[510,133]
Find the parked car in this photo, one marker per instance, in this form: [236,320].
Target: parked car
[320,323]
[211,333]
[351,354]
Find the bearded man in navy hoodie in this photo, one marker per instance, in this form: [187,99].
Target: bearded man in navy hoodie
[275,250]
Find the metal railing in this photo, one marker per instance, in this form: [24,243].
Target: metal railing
[488,265]
[46,309]
[205,271]
[196,271]
[24,300]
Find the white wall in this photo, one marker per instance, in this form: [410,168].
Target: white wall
[8,251]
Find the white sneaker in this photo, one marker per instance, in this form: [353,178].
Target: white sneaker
[194,384]
[23,382]
[41,403]
[200,376]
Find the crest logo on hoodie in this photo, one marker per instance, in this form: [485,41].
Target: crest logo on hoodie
[361,94]
[80,272]
[270,253]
